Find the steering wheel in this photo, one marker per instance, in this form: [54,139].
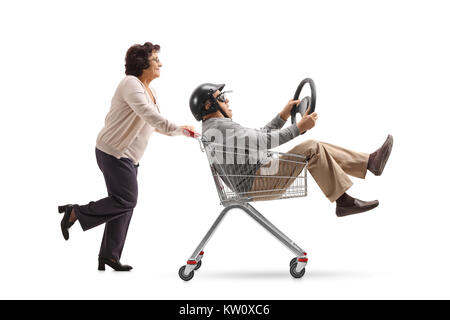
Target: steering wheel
[305,102]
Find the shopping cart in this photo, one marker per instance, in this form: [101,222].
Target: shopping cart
[281,176]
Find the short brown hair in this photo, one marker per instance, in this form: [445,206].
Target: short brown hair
[136,59]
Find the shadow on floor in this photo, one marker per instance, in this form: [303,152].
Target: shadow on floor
[314,274]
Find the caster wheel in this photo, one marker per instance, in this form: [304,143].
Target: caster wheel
[294,260]
[184,277]
[199,264]
[296,274]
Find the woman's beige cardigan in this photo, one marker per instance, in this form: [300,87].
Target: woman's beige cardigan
[131,120]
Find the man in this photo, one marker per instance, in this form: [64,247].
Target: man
[330,165]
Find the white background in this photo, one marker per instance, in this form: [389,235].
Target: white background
[380,67]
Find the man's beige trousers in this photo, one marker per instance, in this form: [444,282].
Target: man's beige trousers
[328,164]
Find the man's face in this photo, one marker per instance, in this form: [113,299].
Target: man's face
[223,105]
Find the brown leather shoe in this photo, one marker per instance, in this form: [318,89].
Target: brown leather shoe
[378,159]
[357,207]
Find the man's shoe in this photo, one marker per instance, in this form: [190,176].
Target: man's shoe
[358,206]
[378,159]
[116,265]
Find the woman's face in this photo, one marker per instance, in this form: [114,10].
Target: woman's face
[153,70]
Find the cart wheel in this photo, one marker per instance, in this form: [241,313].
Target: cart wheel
[182,276]
[294,260]
[199,264]
[296,274]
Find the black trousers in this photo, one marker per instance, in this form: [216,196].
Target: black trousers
[116,209]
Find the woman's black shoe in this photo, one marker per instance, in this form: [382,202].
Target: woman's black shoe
[65,223]
[116,265]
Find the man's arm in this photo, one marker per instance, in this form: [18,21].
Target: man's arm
[225,132]
[275,123]
[281,118]
[265,139]
[274,138]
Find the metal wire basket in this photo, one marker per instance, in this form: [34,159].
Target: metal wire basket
[251,175]
[255,175]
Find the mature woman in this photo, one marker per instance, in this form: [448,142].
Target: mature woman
[133,117]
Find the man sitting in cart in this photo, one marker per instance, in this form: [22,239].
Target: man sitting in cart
[329,164]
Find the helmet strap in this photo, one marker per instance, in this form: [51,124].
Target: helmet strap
[219,108]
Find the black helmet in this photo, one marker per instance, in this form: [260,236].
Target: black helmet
[200,95]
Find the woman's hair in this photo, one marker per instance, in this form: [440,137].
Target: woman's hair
[137,56]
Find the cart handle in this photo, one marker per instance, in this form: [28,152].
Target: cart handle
[191,134]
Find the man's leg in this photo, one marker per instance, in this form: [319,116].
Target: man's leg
[328,164]
[326,170]
[272,179]
[352,162]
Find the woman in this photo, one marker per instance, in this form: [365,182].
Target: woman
[133,117]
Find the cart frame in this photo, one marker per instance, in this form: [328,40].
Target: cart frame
[231,199]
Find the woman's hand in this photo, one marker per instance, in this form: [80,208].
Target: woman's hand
[190,128]
[286,112]
[308,121]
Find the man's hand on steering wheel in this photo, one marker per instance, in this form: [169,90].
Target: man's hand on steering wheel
[286,112]
[308,121]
